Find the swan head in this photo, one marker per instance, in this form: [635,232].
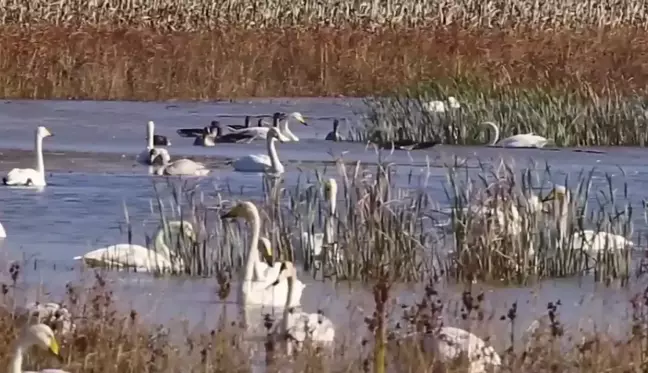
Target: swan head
[42,132]
[330,188]
[266,247]
[39,335]
[245,209]
[298,117]
[559,192]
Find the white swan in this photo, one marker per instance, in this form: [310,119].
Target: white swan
[54,315]
[179,167]
[39,335]
[259,293]
[145,156]
[30,176]
[158,259]
[297,327]
[3,233]
[436,106]
[261,162]
[315,242]
[587,240]
[451,343]
[528,140]
[262,132]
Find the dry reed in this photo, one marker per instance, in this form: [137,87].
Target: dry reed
[142,64]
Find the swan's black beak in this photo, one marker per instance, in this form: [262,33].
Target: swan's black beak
[228,215]
[275,283]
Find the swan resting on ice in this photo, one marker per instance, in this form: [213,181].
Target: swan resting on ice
[30,176]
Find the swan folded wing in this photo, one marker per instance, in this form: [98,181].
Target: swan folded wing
[23,176]
[186,167]
[253,162]
[524,140]
[256,132]
[126,256]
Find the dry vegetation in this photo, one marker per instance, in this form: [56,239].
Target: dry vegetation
[128,63]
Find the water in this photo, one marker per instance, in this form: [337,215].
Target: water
[92,175]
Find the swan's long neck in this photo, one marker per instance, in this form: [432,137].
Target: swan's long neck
[150,129]
[15,366]
[276,165]
[287,132]
[286,314]
[329,229]
[40,164]
[496,132]
[160,243]
[253,252]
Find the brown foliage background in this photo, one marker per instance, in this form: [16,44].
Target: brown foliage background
[141,64]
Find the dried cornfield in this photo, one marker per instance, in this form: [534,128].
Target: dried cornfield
[193,15]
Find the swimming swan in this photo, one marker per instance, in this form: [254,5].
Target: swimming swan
[259,293]
[179,167]
[334,135]
[262,132]
[195,132]
[587,240]
[145,156]
[30,176]
[143,259]
[261,162]
[315,242]
[39,335]
[436,106]
[297,327]
[528,140]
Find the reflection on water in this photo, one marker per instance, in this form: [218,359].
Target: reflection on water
[92,176]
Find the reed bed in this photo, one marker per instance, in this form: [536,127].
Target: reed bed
[192,15]
[107,340]
[403,234]
[49,62]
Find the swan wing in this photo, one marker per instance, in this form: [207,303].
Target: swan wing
[253,163]
[256,132]
[24,176]
[186,167]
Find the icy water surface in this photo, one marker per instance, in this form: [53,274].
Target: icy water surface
[92,175]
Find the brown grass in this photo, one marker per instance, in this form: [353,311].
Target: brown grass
[138,64]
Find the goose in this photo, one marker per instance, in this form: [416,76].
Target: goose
[159,140]
[334,135]
[145,156]
[39,335]
[405,144]
[53,314]
[160,258]
[436,106]
[237,136]
[258,293]
[3,233]
[297,327]
[30,176]
[315,242]
[262,132]
[208,137]
[590,241]
[179,167]
[195,132]
[528,140]
[261,162]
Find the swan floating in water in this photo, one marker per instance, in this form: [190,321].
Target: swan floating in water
[30,176]
[317,241]
[195,132]
[589,241]
[208,137]
[54,315]
[334,135]
[145,156]
[297,327]
[179,167]
[259,293]
[528,140]
[142,259]
[262,132]
[436,106]
[261,162]
[39,335]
